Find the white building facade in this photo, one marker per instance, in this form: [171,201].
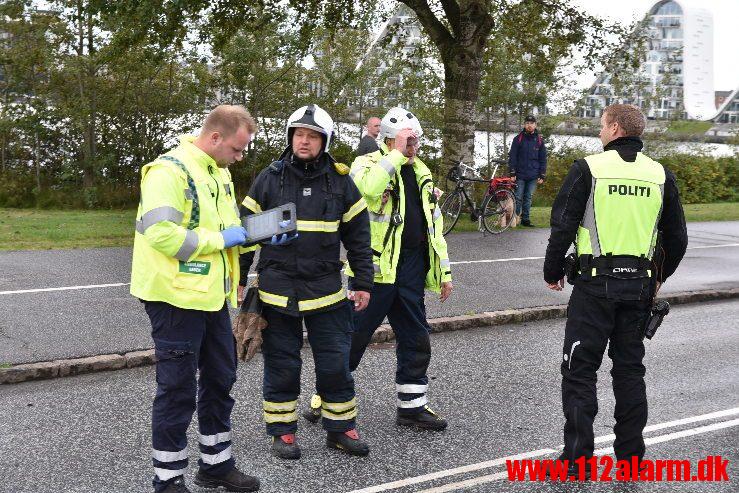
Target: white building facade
[675,77]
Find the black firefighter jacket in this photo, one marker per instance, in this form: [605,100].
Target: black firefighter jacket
[304,276]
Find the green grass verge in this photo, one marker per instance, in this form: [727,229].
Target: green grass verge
[29,229]
[688,127]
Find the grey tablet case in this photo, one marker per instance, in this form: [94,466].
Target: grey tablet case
[267,224]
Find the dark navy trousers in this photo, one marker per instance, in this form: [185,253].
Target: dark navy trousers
[188,341]
[403,305]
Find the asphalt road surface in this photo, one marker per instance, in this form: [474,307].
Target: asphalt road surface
[97,315]
[499,387]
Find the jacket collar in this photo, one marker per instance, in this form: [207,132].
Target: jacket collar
[310,170]
[627,147]
[197,155]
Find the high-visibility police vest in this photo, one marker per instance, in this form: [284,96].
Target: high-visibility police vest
[371,173]
[178,254]
[618,232]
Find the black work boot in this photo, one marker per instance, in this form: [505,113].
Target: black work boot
[313,414]
[284,447]
[348,441]
[234,480]
[176,486]
[426,420]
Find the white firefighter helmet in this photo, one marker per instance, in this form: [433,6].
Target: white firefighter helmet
[314,118]
[397,119]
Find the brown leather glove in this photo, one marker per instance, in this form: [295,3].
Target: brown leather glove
[247,329]
[248,326]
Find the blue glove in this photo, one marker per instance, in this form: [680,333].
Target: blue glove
[284,238]
[235,235]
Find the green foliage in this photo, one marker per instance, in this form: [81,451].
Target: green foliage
[701,178]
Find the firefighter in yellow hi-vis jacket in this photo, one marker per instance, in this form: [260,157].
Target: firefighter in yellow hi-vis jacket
[301,281]
[409,253]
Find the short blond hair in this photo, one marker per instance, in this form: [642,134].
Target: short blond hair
[227,119]
[629,118]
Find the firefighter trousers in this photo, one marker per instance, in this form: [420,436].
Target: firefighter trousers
[329,335]
[403,305]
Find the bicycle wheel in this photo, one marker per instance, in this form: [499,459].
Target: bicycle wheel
[451,206]
[498,209]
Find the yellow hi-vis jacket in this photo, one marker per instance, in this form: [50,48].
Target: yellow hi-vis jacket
[377,172]
[178,254]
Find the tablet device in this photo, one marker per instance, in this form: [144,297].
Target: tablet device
[267,224]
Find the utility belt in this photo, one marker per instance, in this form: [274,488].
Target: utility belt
[616,266]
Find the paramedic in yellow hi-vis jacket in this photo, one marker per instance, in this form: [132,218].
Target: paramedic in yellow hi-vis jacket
[409,253]
[185,267]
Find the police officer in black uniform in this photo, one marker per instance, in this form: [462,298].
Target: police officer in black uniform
[302,282]
[616,205]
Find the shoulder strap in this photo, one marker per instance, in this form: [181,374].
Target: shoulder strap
[193,191]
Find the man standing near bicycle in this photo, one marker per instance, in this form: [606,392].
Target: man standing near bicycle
[527,162]
[409,253]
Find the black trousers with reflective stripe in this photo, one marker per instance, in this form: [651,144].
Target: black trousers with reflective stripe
[329,335]
[592,324]
[187,341]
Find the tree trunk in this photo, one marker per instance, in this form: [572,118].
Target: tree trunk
[461,90]
[37,158]
[487,134]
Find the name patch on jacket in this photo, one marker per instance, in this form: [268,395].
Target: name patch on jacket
[200,268]
[629,190]
[306,192]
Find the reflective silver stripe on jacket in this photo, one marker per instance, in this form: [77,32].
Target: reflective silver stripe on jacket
[421,401]
[211,440]
[188,194]
[158,215]
[387,166]
[167,474]
[164,456]
[444,263]
[221,456]
[408,388]
[227,285]
[376,268]
[437,213]
[588,222]
[379,218]
[189,245]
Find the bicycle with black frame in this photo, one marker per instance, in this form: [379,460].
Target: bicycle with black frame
[498,207]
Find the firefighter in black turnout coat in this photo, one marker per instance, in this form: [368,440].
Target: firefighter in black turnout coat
[301,281]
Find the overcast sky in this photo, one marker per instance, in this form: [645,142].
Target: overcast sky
[725,32]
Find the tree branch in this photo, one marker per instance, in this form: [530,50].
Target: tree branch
[451,9]
[438,33]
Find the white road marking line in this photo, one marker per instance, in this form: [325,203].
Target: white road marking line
[515,259]
[66,288]
[678,422]
[599,452]
[714,246]
[461,262]
[72,288]
[450,472]
[538,453]
[495,260]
